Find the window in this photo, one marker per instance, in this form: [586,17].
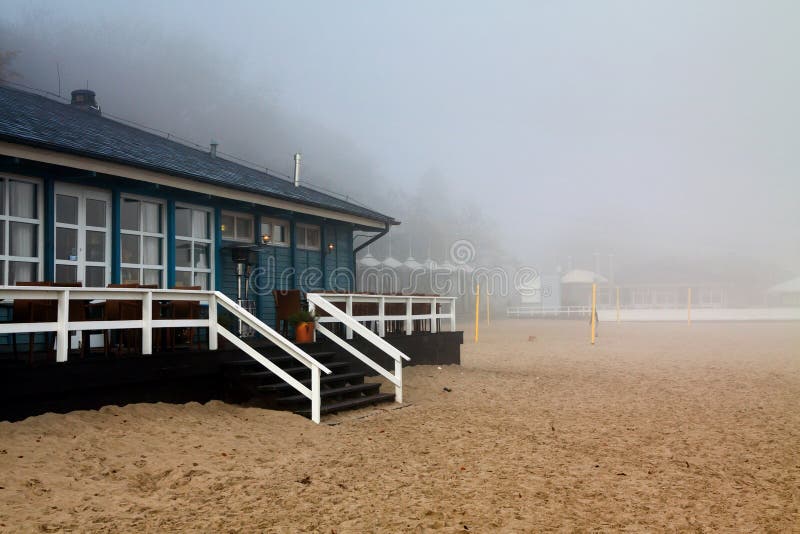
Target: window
[278,231]
[193,247]
[142,241]
[308,237]
[20,247]
[237,227]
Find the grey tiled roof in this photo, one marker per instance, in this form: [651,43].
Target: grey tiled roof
[31,119]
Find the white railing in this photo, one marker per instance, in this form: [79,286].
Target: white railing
[62,326]
[325,302]
[538,311]
[434,316]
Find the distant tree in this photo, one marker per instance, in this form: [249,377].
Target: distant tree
[6,59]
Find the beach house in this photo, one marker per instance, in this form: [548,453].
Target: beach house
[95,210]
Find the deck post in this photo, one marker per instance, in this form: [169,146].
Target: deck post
[409,320]
[452,315]
[212,322]
[434,319]
[147,322]
[62,337]
[398,374]
[381,317]
[316,399]
[348,309]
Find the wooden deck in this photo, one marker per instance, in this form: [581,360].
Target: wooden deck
[180,376]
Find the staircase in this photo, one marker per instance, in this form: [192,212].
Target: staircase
[246,380]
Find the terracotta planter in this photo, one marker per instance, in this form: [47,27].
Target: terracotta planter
[304,332]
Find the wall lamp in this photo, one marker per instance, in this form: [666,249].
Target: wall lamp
[331,246]
[265,239]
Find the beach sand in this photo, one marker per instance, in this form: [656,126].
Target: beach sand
[656,427]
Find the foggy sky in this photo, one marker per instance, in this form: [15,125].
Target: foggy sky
[642,129]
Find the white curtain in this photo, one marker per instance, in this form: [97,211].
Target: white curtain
[200,224]
[23,239]
[22,199]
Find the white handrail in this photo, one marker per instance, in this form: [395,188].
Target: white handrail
[407,317]
[62,326]
[317,300]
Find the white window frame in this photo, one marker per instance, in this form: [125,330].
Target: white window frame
[236,217]
[39,221]
[193,240]
[302,244]
[142,234]
[272,223]
[83,193]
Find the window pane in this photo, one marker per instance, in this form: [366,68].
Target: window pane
[129,246]
[66,273]
[2,198]
[266,230]
[151,217]
[21,271]
[183,278]
[312,237]
[3,272]
[2,239]
[201,256]
[183,222]
[152,277]
[227,226]
[22,199]
[201,279]
[95,277]
[95,246]
[244,229]
[183,254]
[66,209]
[130,275]
[22,239]
[200,224]
[95,212]
[66,245]
[279,233]
[152,251]
[129,214]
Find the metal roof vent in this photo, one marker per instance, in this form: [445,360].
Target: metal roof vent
[213,150]
[85,99]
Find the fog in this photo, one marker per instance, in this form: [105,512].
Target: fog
[662,133]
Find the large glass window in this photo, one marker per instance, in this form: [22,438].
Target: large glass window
[20,249]
[276,232]
[142,241]
[308,237]
[193,247]
[237,227]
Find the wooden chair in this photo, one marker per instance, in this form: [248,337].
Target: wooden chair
[287,303]
[118,310]
[184,309]
[34,311]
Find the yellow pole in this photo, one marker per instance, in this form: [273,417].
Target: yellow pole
[488,315]
[689,308]
[617,304]
[594,307]
[477,309]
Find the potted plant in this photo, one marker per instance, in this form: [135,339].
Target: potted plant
[303,322]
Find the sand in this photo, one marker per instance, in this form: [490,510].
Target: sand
[657,427]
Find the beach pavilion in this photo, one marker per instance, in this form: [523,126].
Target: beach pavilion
[96,211]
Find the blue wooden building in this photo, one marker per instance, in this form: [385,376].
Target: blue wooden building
[84,198]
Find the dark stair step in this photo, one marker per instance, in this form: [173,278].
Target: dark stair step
[325,380]
[279,360]
[300,370]
[349,404]
[368,388]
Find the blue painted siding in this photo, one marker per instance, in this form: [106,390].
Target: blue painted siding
[275,267]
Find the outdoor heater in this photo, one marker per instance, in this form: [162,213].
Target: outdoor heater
[243,259]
